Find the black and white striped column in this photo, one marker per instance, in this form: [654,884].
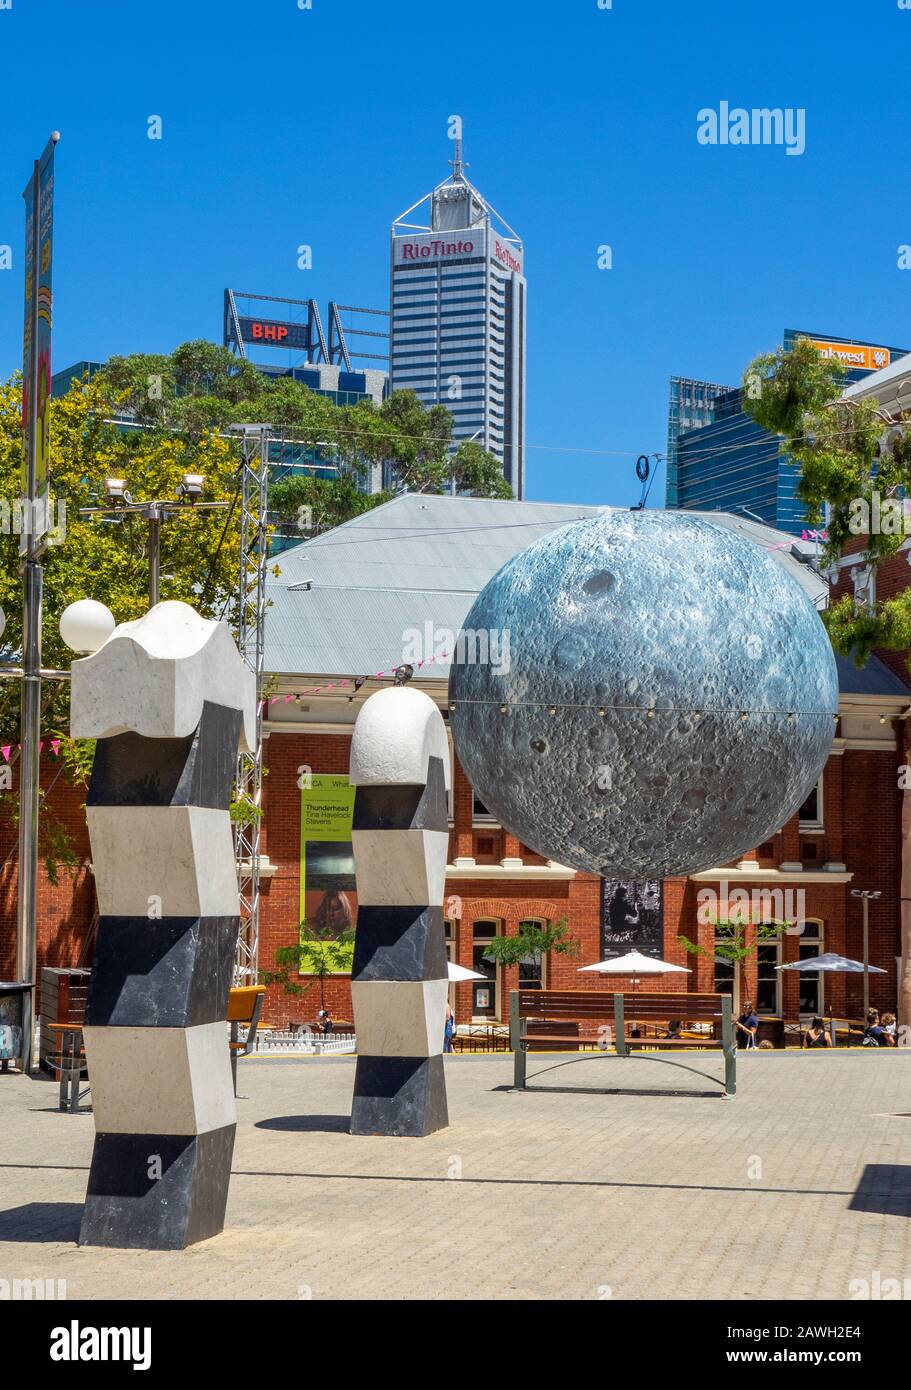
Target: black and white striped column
[399,983]
[163,858]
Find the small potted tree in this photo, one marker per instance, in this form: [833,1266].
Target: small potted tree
[319,952]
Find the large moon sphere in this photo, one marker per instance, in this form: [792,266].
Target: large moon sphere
[669,694]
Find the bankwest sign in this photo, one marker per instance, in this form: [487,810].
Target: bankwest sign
[856,356]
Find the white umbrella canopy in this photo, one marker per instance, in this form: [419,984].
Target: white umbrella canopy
[634,963]
[459,972]
[830,961]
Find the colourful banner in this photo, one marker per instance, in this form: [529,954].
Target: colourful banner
[36,356]
[328,900]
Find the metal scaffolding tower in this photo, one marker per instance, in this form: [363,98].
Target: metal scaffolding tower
[254,556]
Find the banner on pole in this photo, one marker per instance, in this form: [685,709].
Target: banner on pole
[36,356]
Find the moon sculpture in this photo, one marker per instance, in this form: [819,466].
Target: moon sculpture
[662,699]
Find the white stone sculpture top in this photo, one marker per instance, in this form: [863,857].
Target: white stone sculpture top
[396,733]
[152,676]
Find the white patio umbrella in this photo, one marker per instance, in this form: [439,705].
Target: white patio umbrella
[841,965]
[635,965]
[836,965]
[459,972]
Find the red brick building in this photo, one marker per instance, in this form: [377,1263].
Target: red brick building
[349,604]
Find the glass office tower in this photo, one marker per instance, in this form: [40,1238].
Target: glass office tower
[458,317]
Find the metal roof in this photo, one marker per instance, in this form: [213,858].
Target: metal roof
[344,601]
[875,678]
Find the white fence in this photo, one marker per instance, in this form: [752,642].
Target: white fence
[304,1041]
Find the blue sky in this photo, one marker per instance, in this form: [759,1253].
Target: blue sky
[284,126]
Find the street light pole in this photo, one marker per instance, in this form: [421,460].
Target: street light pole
[153,516]
[153,513]
[865,894]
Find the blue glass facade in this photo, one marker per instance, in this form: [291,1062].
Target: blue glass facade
[723,460]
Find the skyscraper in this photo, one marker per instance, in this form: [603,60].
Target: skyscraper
[458,316]
[720,459]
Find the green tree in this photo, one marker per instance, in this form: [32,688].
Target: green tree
[105,561]
[304,506]
[478,472]
[731,945]
[533,942]
[319,952]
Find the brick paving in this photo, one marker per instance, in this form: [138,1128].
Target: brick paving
[793,1189]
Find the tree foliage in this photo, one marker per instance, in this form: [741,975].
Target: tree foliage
[533,941]
[105,561]
[150,418]
[852,468]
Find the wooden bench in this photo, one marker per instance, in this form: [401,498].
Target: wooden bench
[543,1019]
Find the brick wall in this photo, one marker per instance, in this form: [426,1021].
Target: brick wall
[862,809]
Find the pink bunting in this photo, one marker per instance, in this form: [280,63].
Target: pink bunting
[6,752]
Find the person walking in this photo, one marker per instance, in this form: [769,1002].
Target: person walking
[448,1028]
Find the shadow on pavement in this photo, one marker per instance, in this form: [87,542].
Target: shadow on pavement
[884,1188]
[297,1124]
[41,1223]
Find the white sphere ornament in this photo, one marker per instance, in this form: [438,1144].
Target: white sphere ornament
[86,625]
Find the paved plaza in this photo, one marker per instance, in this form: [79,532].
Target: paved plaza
[792,1190]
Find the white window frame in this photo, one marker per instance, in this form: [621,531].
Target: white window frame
[817,826]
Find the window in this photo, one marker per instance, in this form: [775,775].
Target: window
[810,814]
[532,968]
[479,811]
[485,992]
[768,978]
[811,982]
[724,969]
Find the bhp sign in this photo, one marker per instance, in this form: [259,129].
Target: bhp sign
[269,332]
[272,333]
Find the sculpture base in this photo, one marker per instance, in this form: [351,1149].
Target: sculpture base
[399,1096]
[128,1206]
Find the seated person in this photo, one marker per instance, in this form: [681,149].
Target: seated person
[746,1028]
[875,1034]
[673,1028]
[816,1035]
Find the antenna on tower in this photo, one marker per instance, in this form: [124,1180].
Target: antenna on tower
[458,167]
